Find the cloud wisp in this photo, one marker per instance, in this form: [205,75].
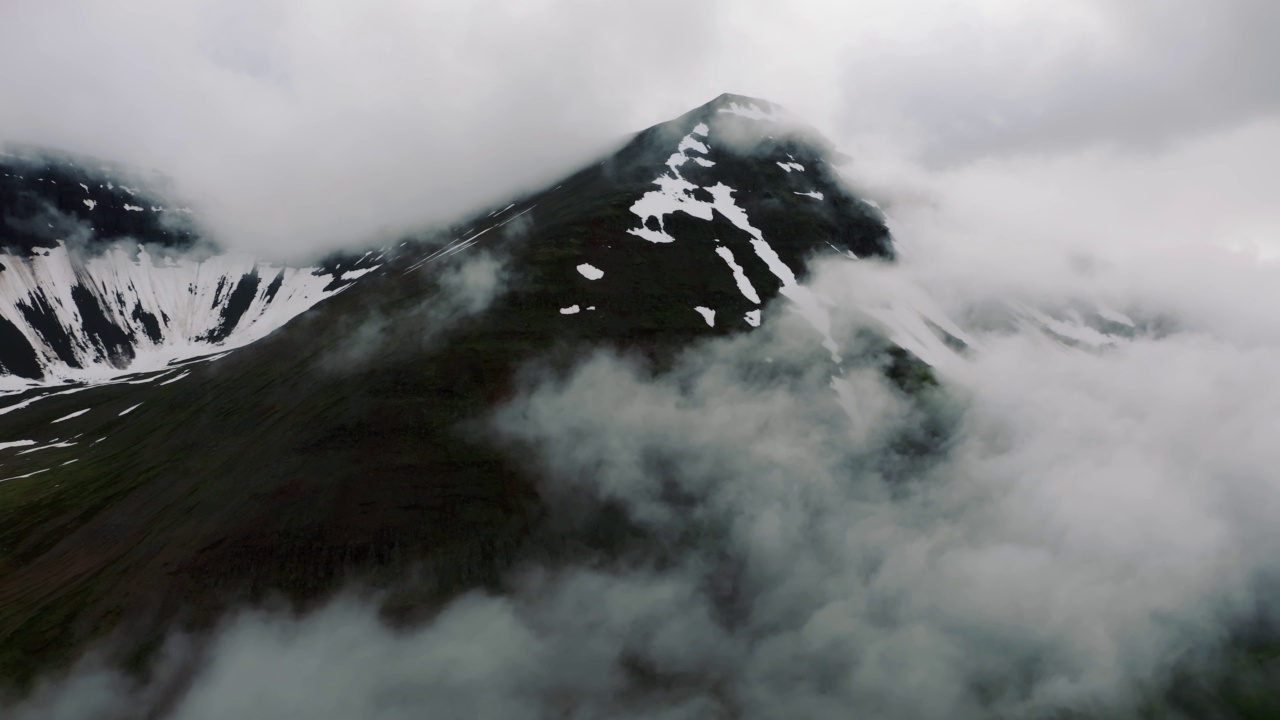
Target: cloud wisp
[461,288]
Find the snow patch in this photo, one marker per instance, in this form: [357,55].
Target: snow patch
[590,272]
[752,317]
[126,412]
[54,444]
[1115,316]
[29,401]
[16,443]
[815,195]
[744,283]
[805,301]
[701,129]
[91,203]
[176,379]
[356,274]
[571,310]
[707,314]
[75,414]
[911,319]
[1078,333]
[689,143]
[19,477]
[675,193]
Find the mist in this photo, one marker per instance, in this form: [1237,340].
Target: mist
[461,289]
[1050,529]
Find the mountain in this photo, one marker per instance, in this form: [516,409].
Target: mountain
[101,275]
[347,445]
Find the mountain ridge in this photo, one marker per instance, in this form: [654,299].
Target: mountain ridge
[98,278]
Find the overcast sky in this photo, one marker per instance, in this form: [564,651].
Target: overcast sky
[304,125]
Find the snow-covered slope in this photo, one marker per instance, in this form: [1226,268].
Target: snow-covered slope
[102,272]
[675,193]
[691,229]
[63,317]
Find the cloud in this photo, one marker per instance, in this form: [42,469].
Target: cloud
[1189,229]
[299,127]
[1084,531]
[460,287]
[1134,77]
[303,127]
[89,692]
[94,688]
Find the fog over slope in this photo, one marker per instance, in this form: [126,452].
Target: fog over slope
[1097,519]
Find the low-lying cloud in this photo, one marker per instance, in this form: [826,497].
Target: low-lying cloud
[458,288]
[1052,529]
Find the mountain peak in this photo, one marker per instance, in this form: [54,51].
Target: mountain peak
[732,172]
[752,126]
[731,107]
[746,106]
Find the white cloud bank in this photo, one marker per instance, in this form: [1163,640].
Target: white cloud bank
[300,127]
